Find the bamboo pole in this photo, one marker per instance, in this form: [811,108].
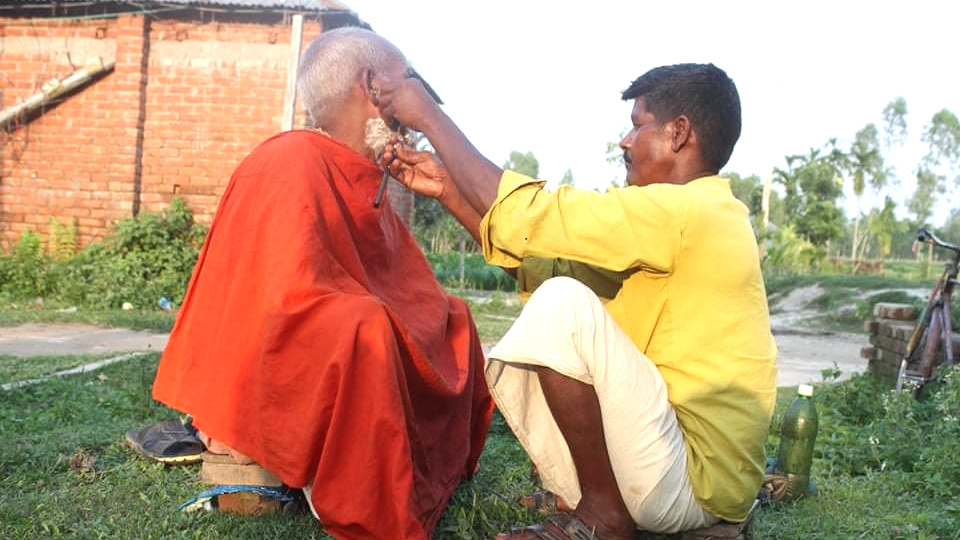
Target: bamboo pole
[293,65]
[53,89]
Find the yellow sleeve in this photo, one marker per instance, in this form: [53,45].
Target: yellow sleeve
[628,228]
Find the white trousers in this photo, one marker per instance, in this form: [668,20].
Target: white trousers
[565,327]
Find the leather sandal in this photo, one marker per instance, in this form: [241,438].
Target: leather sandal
[563,526]
[544,502]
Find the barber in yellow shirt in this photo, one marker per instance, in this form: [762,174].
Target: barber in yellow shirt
[648,411]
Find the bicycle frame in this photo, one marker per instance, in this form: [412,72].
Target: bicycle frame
[934,322]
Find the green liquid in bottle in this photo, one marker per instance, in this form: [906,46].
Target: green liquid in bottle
[798,432]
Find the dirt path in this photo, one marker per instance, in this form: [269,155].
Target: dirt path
[802,356]
[802,353]
[66,339]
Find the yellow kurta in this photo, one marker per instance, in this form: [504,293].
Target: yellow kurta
[695,305]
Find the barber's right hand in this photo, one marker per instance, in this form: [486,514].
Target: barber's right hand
[421,172]
[405,100]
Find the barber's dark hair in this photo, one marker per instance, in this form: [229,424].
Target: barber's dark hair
[701,92]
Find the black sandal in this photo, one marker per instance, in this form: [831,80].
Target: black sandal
[169,442]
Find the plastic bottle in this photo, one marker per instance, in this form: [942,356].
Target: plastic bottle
[798,432]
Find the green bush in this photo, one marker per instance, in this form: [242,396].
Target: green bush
[790,253]
[865,426]
[477,273]
[141,260]
[25,272]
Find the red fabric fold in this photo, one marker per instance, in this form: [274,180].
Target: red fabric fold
[315,339]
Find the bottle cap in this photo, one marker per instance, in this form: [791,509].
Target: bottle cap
[805,390]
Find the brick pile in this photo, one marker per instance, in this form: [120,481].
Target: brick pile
[889,330]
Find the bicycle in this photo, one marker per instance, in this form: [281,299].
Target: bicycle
[934,330]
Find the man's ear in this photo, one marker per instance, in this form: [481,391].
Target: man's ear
[681,132]
[371,91]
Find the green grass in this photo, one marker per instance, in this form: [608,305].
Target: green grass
[123,496]
[18,368]
[494,316]
[881,466]
[13,314]
[904,485]
[879,474]
[776,284]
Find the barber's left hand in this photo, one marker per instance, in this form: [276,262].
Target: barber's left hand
[421,172]
[407,101]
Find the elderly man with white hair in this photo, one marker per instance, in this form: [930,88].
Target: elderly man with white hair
[314,338]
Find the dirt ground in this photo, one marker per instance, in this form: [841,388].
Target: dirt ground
[803,352]
[66,339]
[802,356]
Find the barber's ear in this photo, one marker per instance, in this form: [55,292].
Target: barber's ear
[681,132]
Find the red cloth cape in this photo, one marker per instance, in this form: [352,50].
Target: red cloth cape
[315,339]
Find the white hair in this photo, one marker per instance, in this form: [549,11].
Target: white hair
[334,62]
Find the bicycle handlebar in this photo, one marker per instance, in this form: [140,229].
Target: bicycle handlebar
[925,236]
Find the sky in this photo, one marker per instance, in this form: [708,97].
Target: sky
[546,76]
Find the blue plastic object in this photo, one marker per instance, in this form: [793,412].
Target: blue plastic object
[203,500]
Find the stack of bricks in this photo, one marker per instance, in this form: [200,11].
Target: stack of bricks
[222,469]
[889,331]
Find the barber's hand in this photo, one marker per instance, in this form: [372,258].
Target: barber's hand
[405,100]
[421,172]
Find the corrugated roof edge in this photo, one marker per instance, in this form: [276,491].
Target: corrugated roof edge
[272,5]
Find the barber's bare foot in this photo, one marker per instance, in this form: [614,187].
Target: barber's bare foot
[611,527]
[608,525]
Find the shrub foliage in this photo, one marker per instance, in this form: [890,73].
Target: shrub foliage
[141,260]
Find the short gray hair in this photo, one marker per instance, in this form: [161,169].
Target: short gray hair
[333,62]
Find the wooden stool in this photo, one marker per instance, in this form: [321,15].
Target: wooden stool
[222,469]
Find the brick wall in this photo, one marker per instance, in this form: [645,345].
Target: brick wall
[73,162]
[890,330]
[187,100]
[215,91]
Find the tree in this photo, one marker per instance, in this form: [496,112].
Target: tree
[865,163]
[777,211]
[746,189]
[943,136]
[523,163]
[895,123]
[881,227]
[614,152]
[749,190]
[929,185]
[813,184]
[951,229]
[941,162]
[567,179]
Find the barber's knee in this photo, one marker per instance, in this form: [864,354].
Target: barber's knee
[562,291]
